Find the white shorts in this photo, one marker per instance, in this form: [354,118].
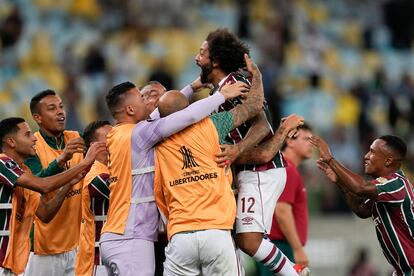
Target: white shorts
[206,252]
[52,265]
[257,197]
[99,270]
[6,272]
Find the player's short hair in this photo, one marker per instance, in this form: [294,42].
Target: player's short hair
[89,133]
[396,144]
[34,102]
[305,127]
[9,126]
[153,82]
[227,50]
[114,96]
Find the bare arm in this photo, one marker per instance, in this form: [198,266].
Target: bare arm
[51,183]
[253,105]
[357,204]
[258,130]
[351,181]
[48,208]
[286,221]
[266,150]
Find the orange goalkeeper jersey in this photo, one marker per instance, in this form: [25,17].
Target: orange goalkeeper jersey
[191,191]
[61,234]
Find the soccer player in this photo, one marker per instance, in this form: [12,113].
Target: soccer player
[388,199]
[133,217]
[95,202]
[18,143]
[152,91]
[194,194]
[259,186]
[290,220]
[56,256]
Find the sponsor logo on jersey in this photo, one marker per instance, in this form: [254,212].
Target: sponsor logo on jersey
[194,178]
[188,158]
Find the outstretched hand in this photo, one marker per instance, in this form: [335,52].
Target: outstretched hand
[234,90]
[324,151]
[327,170]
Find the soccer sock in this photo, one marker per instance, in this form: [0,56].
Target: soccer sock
[274,259]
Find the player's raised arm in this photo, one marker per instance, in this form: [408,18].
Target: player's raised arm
[48,184]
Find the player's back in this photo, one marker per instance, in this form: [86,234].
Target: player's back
[197,192]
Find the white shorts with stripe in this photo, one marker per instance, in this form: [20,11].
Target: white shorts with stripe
[205,252]
[258,193]
[62,264]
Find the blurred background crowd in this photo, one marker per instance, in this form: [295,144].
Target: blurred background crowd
[347,66]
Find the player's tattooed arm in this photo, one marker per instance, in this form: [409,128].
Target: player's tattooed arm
[266,150]
[258,130]
[254,102]
[251,107]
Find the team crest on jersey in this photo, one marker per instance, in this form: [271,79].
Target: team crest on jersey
[11,165]
[188,158]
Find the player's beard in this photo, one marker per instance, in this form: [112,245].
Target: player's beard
[205,72]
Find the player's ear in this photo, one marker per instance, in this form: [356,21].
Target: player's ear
[37,118]
[130,110]
[389,161]
[215,64]
[10,142]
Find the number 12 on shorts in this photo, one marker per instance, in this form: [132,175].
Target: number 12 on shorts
[247,204]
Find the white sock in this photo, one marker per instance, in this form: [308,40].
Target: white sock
[274,259]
